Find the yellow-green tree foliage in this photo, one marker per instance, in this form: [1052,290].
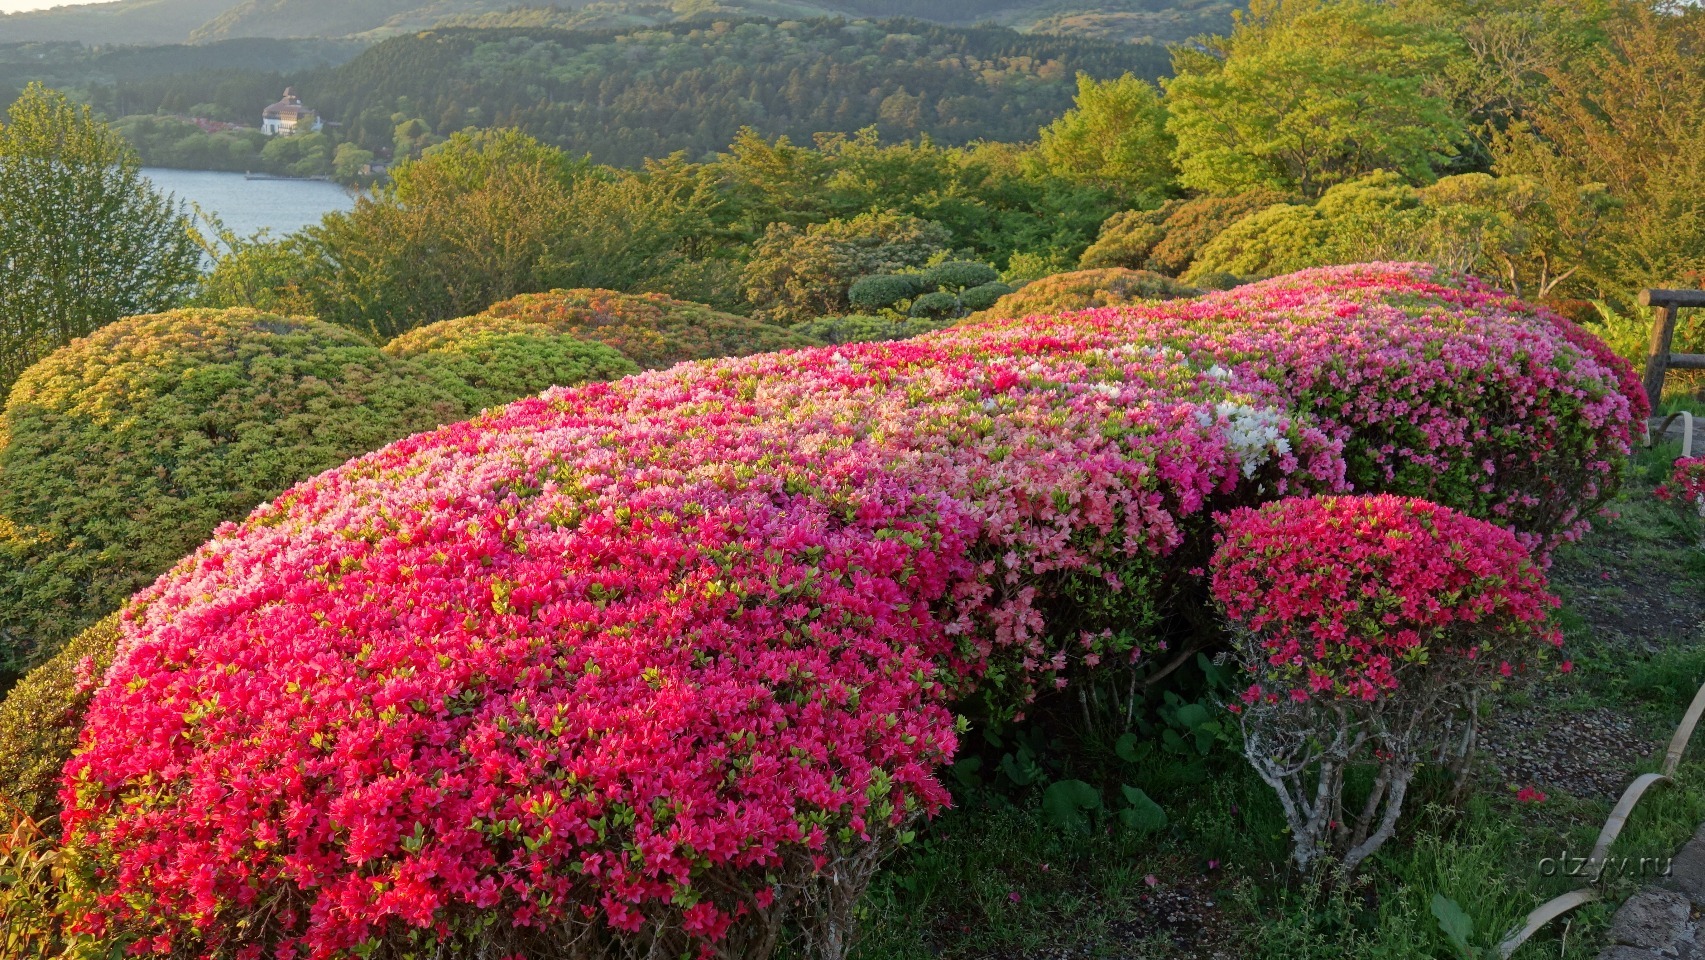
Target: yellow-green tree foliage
[1472,223]
[652,330]
[1084,290]
[41,716]
[1303,95]
[1168,238]
[121,452]
[1114,137]
[477,218]
[1619,150]
[797,274]
[485,361]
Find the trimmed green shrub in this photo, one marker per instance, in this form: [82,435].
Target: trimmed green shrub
[1219,281]
[865,329]
[1084,290]
[795,274]
[40,718]
[488,361]
[123,450]
[1128,238]
[959,275]
[1276,240]
[652,330]
[983,296]
[938,305]
[1195,224]
[883,290]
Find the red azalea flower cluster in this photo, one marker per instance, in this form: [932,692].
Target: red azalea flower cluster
[1343,594]
[643,658]
[1686,484]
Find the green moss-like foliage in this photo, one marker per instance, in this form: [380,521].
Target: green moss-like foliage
[1084,290]
[122,451]
[865,329]
[40,718]
[652,330]
[487,361]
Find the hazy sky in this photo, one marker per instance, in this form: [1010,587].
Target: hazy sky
[13,6]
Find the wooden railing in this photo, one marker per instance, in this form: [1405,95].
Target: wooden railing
[1660,360]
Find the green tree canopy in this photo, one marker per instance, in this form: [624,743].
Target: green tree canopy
[797,275]
[479,218]
[1618,150]
[84,238]
[1115,137]
[1304,94]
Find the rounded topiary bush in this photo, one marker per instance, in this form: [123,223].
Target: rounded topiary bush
[651,329]
[1369,629]
[1127,238]
[657,665]
[1278,239]
[1084,290]
[884,290]
[983,296]
[936,306]
[1439,386]
[1195,223]
[955,275]
[123,450]
[41,717]
[485,361]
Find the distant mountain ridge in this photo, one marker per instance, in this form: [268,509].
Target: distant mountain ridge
[200,21]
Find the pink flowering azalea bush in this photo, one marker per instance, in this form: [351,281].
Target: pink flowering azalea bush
[1686,485]
[1438,386]
[659,665]
[1369,627]
[666,665]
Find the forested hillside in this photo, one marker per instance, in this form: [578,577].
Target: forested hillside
[626,96]
[234,78]
[177,21]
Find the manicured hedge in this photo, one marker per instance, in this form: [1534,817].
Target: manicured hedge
[652,330]
[955,275]
[123,450]
[668,648]
[1084,290]
[883,290]
[1439,386]
[668,663]
[485,361]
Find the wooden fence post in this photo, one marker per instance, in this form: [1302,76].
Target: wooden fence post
[1659,361]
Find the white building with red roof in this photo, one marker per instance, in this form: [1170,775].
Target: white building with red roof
[288,116]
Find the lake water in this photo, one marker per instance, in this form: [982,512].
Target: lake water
[281,206]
